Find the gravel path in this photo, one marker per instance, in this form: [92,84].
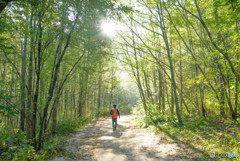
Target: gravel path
[98,142]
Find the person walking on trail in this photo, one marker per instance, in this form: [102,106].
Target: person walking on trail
[115,113]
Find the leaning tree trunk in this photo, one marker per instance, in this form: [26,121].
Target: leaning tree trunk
[164,35]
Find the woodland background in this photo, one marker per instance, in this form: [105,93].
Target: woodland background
[58,68]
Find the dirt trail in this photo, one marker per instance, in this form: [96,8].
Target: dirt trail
[98,142]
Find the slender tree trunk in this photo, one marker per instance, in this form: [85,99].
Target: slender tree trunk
[137,75]
[222,98]
[236,97]
[221,80]
[147,86]
[30,74]
[38,72]
[172,99]
[163,94]
[54,115]
[196,91]
[164,35]
[80,110]
[111,89]
[181,79]
[229,98]
[160,90]
[23,82]
[86,84]
[238,65]
[99,91]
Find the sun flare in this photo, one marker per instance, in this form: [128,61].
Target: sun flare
[108,28]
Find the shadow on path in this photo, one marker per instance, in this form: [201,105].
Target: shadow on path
[127,143]
[98,142]
[195,154]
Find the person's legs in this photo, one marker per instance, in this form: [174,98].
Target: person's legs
[113,123]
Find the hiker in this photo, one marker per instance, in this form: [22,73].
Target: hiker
[115,113]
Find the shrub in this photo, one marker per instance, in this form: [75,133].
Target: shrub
[15,147]
[52,146]
[70,125]
[195,122]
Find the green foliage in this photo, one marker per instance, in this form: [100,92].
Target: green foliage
[141,118]
[153,117]
[7,110]
[16,147]
[53,146]
[125,94]
[101,112]
[125,109]
[196,122]
[70,125]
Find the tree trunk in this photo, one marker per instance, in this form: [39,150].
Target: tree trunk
[23,82]
[54,115]
[38,72]
[181,79]
[30,74]
[160,91]
[164,35]
[99,91]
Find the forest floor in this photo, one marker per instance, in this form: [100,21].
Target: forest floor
[97,141]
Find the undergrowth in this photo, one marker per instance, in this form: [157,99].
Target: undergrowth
[15,146]
[206,135]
